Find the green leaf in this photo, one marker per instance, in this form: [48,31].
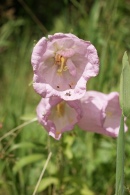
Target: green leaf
[27,160]
[45,182]
[125,86]
[85,190]
[120,160]
[22,145]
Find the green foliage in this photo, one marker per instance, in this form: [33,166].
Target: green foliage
[120,160]
[124,86]
[26,160]
[46,182]
[125,106]
[81,163]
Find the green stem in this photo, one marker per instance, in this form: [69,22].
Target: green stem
[120,160]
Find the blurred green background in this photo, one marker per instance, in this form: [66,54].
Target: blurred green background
[82,163]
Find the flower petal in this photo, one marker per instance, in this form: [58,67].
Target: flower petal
[93,114]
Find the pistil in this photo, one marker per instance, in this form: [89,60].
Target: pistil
[60,109]
[60,61]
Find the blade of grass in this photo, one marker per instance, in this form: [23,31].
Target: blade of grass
[18,127]
[42,173]
[125,86]
[33,16]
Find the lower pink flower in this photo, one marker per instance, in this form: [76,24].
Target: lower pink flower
[57,115]
[101,113]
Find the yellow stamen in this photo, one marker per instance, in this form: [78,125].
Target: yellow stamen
[60,61]
[57,133]
[65,68]
[61,65]
[109,114]
[60,109]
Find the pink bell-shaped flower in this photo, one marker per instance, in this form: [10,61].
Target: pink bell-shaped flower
[101,113]
[62,64]
[57,115]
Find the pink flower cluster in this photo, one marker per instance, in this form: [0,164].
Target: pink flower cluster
[62,65]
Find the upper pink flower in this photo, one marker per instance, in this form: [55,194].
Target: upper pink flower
[101,113]
[57,115]
[62,64]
